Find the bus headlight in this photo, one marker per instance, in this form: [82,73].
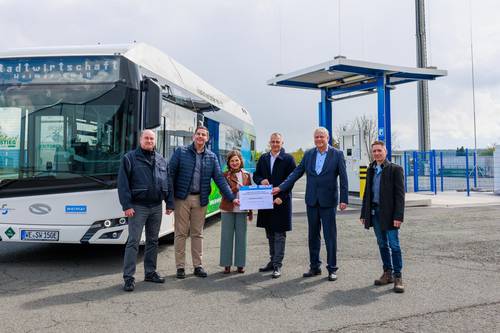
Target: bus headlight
[107,223]
[122,221]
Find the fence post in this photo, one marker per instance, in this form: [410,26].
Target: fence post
[435,170]
[441,171]
[415,171]
[475,169]
[431,168]
[406,170]
[467,170]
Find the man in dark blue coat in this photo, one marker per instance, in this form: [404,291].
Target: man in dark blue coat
[192,168]
[273,168]
[143,182]
[323,165]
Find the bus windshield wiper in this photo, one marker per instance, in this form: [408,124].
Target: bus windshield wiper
[93,178]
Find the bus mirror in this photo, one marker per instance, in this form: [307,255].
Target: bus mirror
[152,103]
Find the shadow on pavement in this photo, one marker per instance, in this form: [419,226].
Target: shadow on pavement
[354,297]
[249,286]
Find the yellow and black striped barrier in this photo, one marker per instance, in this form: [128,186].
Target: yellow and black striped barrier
[362,180]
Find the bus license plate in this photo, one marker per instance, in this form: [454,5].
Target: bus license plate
[39,235]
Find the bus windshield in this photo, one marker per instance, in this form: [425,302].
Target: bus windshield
[54,134]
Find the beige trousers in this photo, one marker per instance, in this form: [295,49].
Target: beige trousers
[189,222]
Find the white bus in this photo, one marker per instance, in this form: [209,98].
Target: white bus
[68,115]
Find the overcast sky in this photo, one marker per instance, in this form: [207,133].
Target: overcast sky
[238,45]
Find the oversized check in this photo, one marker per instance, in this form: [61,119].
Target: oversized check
[256,197]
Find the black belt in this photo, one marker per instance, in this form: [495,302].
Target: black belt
[194,193]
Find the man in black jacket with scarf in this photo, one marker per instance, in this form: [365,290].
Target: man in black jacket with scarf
[383,209]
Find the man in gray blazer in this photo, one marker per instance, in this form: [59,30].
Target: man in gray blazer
[323,165]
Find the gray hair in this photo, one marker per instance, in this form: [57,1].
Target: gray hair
[322,130]
[277,134]
[147,130]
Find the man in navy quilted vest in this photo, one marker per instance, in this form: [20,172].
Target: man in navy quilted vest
[192,168]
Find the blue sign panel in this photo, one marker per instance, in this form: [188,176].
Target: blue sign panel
[80,209]
[60,70]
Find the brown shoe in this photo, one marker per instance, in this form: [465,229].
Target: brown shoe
[386,278]
[398,285]
[227,269]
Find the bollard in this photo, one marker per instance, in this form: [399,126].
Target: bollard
[362,180]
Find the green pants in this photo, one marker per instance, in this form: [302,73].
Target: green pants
[233,231]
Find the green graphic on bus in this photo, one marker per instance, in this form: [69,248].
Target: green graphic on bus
[214,199]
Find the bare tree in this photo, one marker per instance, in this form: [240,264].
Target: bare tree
[337,133]
[367,126]
[368,129]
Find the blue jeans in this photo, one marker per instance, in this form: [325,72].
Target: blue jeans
[388,244]
[318,217]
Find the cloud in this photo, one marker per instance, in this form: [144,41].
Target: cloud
[238,45]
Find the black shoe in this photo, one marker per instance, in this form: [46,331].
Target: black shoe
[154,277]
[200,272]
[312,272]
[276,273]
[332,277]
[129,285]
[181,273]
[269,267]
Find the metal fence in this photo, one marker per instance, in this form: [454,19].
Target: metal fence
[436,171]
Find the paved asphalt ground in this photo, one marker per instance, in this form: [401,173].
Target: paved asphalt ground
[451,273]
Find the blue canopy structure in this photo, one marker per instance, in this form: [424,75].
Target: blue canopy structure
[343,78]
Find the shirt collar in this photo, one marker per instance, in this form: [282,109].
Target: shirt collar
[323,153]
[274,156]
[193,147]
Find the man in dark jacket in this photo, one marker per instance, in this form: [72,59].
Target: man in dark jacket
[143,183]
[323,165]
[383,209]
[192,168]
[273,168]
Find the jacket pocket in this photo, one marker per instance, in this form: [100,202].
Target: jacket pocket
[163,178]
[139,194]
